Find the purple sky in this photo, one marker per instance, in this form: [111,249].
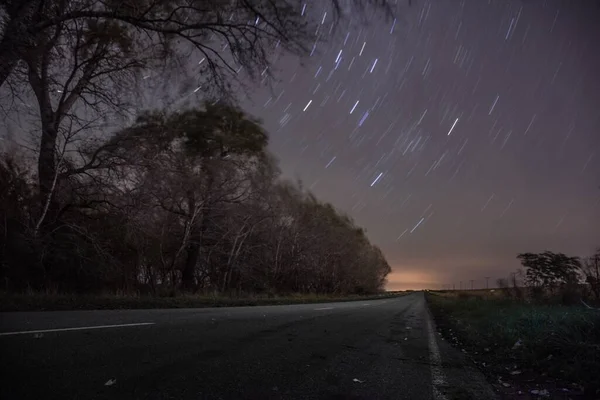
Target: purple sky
[459,135]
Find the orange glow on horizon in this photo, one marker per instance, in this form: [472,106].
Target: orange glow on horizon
[410,280]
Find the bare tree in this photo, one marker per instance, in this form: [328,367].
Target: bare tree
[84,57]
[227,35]
[76,74]
[158,33]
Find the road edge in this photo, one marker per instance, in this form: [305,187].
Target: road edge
[454,376]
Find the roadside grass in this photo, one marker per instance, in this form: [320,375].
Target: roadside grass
[565,296]
[519,341]
[478,293]
[56,302]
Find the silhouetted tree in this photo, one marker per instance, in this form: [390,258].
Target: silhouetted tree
[163,31]
[548,269]
[591,271]
[82,58]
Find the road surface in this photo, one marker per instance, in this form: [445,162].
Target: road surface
[379,349]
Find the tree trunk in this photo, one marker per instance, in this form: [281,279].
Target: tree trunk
[47,185]
[197,232]
[47,166]
[227,277]
[193,254]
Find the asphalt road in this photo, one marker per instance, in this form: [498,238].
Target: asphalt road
[379,349]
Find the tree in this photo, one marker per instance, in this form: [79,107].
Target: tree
[77,73]
[82,58]
[189,174]
[548,269]
[174,28]
[591,271]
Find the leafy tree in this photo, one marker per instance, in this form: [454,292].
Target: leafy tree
[194,148]
[548,269]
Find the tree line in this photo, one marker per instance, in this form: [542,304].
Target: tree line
[182,198]
[187,200]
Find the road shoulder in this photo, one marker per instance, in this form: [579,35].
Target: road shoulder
[462,380]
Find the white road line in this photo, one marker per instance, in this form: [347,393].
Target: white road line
[366,304]
[435,359]
[75,329]
[324,308]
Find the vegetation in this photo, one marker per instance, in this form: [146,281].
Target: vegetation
[536,333]
[528,345]
[184,198]
[552,276]
[188,200]
[549,269]
[53,302]
[591,271]
[83,60]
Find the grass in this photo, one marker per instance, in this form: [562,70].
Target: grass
[554,342]
[54,302]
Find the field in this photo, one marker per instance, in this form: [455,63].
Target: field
[524,347]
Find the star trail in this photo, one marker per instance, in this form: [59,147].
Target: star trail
[458,133]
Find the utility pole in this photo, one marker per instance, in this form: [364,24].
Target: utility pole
[487,280]
[472,284]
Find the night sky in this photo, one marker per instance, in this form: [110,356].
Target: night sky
[458,135]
